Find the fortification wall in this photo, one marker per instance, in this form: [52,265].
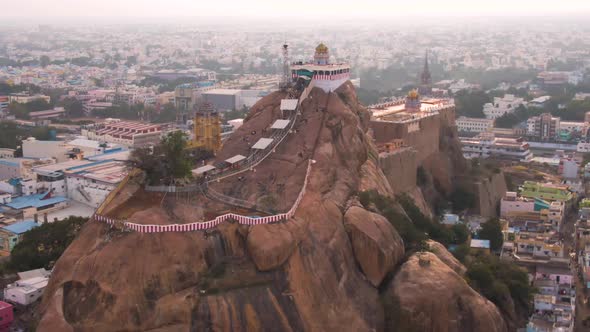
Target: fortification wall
[490,191]
[399,167]
[425,141]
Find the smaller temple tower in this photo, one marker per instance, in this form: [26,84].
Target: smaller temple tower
[321,56]
[425,78]
[413,103]
[207,128]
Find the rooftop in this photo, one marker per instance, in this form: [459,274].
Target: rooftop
[36,200]
[21,227]
[484,244]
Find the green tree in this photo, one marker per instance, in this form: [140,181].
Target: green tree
[43,245]
[73,107]
[166,161]
[174,147]
[492,230]
[44,61]
[470,103]
[461,233]
[462,199]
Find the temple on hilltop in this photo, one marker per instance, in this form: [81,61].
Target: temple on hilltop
[413,102]
[327,76]
[425,88]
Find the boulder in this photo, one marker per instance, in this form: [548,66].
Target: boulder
[446,257]
[376,244]
[270,245]
[427,295]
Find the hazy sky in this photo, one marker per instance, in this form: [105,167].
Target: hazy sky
[266,8]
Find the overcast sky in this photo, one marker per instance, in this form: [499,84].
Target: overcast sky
[273,8]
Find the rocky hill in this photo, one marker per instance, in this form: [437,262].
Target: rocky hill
[335,266]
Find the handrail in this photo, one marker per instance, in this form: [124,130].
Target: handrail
[243,220]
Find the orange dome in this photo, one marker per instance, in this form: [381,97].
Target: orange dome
[413,94]
[321,48]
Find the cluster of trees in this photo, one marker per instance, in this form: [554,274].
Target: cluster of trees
[575,110]
[11,135]
[462,199]
[470,103]
[489,79]
[168,162]
[500,282]
[6,89]
[21,111]
[43,245]
[413,226]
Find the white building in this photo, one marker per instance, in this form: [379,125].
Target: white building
[6,153]
[486,145]
[20,167]
[501,106]
[130,134]
[29,289]
[33,148]
[85,181]
[474,125]
[539,102]
[569,168]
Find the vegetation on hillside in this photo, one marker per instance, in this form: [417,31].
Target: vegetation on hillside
[169,161]
[413,226]
[500,282]
[43,245]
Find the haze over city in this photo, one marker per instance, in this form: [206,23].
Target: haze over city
[43,9]
[232,165]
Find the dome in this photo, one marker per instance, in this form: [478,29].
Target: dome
[321,48]
[413,94]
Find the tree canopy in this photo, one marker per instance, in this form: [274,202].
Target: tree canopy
[167,161]
[43,245]
[492,230]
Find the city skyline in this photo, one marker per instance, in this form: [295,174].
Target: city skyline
[40,9]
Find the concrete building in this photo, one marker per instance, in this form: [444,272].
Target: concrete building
[501,106]
[486,145]
[474,125]
[224,99]
[86,181]
[6,316]
[569,168]
[6,153]
[20,167]
[55,113]
[57,150]
[4,102]
[130,134]
[27,290]
[12,234]
[512,204]
[546,191]
[539,102]
[25,98]
[544,127]
[33,206]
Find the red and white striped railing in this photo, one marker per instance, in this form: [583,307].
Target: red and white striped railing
[196,226]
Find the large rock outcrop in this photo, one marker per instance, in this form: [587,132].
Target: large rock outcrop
[427,295]
[376,245]
[318,271]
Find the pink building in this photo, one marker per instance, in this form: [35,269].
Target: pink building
[6,316]
[511,204]
[561,275]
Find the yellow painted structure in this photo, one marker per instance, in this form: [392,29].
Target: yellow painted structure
[207,129]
